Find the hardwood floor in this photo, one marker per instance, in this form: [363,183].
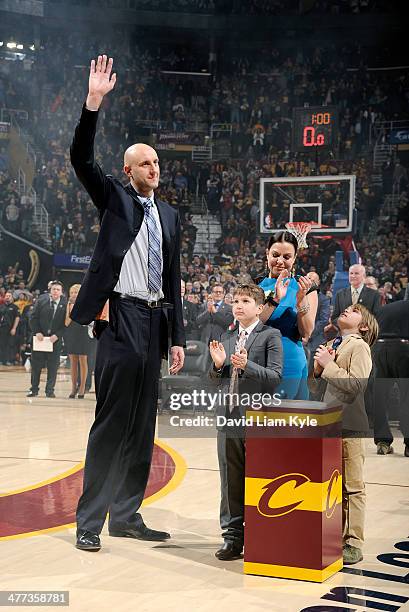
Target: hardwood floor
[42,439]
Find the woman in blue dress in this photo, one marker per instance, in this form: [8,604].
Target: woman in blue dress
[291,309]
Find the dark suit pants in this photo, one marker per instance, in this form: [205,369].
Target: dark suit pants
[121,439]
[5,344]
[391,365]
[92,353]
[231,455]
[51,361]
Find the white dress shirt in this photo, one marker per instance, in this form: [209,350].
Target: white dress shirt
[133,277]
[248,329]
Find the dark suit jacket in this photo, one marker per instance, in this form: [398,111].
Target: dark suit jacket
[190,312]
[264,365]
[321,320]
[369,298]
[212,326]
[393,320]
[41,318]
[121,216]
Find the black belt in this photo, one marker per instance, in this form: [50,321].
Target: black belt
[136,300]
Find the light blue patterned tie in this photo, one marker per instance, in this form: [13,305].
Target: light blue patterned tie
[154,253]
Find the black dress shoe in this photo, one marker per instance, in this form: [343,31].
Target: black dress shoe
[228,552]
[32,394]
[138,531]
[86,540]
[50,394]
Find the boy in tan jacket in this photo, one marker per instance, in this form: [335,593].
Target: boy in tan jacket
[345,364]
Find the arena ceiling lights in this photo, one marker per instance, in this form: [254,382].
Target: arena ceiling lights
[14,45]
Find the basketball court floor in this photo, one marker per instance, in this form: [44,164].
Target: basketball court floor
[41,452]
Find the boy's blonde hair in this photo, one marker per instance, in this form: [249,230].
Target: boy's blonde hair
[368,320]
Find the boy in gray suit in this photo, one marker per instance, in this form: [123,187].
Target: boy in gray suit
[247,359]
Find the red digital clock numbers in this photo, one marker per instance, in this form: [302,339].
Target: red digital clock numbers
[310,136]
[311,139]
[314,127]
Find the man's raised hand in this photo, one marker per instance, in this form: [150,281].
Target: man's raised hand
[100,81]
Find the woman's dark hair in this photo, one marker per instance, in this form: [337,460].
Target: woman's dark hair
[283,236]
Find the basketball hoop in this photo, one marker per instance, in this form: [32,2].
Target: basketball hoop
[299,229]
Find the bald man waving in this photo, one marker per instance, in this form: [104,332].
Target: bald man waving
[136,267]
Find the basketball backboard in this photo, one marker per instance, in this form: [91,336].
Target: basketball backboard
[327,202]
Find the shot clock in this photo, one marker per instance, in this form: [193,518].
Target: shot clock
[315,128]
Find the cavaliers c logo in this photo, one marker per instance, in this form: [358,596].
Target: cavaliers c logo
[332,494]
[272,488]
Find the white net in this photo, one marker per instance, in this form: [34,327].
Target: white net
[300,231]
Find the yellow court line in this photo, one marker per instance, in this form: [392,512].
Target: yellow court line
[178,476]
[295,573]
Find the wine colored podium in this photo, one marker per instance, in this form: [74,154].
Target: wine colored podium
[293,491]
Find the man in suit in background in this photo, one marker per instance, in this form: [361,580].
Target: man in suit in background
[47,319]
[216,315]
[136,266]
[391,363]
[356,293]
[248,360]
[321,320]
[190,312]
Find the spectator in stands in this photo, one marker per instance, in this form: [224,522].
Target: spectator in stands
[21,288]
[387,293]
[77,343]
[356,293]
[9,320]
[23,298]
[67,239]
[371,282]
[399,291]
[193,298]
[400,176]
[190,312]
[24,330]
[216,315]
[12,216]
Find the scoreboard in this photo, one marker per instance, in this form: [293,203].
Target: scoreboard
[314,128]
